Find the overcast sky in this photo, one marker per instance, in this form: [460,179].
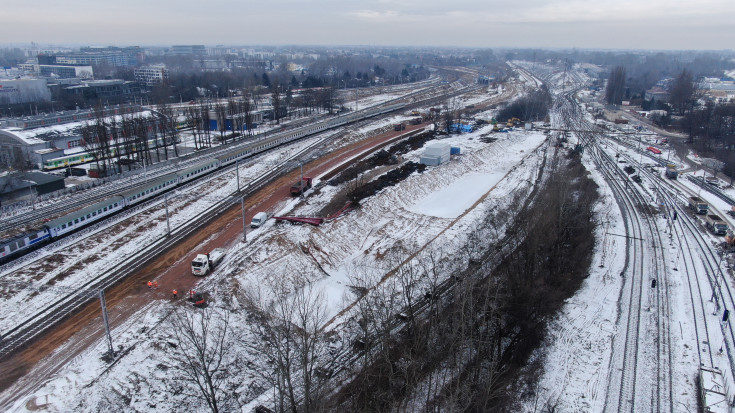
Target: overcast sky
[624,24]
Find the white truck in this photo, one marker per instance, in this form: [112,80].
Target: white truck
[258,220]
[204,263]
[698,205]
[715,224]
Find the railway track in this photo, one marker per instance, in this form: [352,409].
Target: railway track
[709,289]
[32,327]
[699,267]
[67,304]
[633,359]
[720,291]
[428,96]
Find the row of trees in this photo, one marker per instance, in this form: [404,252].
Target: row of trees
[463,350]
[533,107]
[187,85]
[116,141]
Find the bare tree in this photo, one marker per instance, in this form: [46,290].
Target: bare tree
[247,112]
[291,343]
[220,111]
[116,145]
[128,137]
[193,122]
[682,94]
[203,353]
[102,132]
[162,127]
[91,144]
[170,129]
[276,101]
[205,123]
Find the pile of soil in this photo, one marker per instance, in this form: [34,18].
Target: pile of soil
[389,178]
[383,157]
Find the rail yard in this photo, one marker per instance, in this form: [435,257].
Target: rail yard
[653,310]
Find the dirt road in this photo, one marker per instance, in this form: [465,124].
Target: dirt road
[30,368]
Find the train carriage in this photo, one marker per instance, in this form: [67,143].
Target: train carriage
[19,243]
[149,189]
[84,216]
[233,156]
[65,161]
[192,172]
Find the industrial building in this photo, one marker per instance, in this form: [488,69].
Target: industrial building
[66,72]
[103,89]
[23,91]
[151,75]
[38,182]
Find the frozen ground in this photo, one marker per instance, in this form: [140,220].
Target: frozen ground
[577,351]
[473,183]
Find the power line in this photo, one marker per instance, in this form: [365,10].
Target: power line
[61,290]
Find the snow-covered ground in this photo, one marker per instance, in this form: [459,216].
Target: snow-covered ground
[80,258]
[433,210]
[580,342]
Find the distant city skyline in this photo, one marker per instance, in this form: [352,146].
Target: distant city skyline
[604,24]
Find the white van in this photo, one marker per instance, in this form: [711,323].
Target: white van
[258,220]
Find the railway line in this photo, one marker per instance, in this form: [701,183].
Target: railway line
[432,92]
[720,290]
[699,262]
[23,333]
[648,356]
[709,291]
[631,386]
[66,304]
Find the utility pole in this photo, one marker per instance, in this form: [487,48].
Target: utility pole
[105,320]
[100,293]
[30,191]
[237,168]
[301,182]
[168,225]
[244,223]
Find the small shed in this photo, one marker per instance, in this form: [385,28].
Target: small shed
[41,182]
[436,153]
[46,183]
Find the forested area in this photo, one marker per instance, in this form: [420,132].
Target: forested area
[445,330]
